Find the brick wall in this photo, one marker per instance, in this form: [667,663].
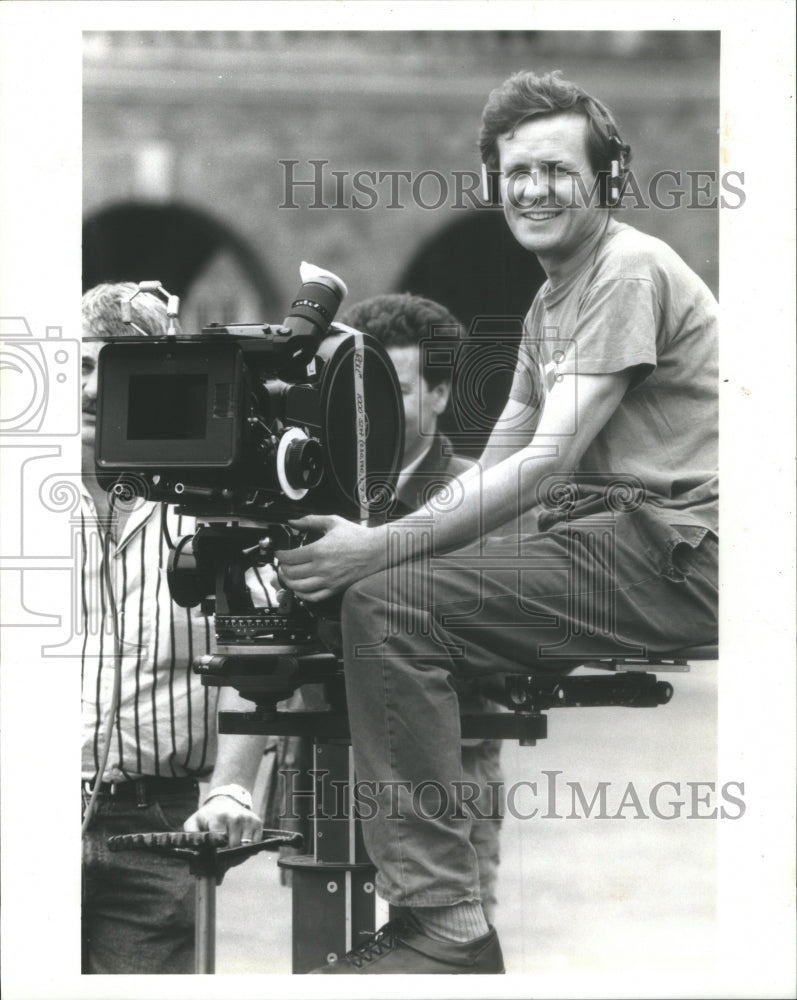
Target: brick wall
[203,119]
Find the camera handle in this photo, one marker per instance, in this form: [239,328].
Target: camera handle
[208,859]
[172,308]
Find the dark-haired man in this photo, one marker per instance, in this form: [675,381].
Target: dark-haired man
[407,326]
[403,324]
[615,385]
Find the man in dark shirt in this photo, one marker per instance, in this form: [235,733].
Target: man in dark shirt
[402,324]
[406,325]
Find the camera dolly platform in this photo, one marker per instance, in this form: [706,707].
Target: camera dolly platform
[334,903]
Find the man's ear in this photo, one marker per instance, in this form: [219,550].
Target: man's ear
[441,393]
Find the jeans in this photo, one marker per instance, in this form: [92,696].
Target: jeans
[604,584]
[481,764]
[138,907]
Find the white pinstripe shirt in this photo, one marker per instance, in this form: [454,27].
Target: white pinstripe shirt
[166,720]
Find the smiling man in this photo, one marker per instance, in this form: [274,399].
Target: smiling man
[613,408]
[544,162]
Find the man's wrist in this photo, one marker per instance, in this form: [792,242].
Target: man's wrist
[402,541]
[237,793]
[379,537]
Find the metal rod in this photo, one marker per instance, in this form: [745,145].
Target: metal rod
[205,940]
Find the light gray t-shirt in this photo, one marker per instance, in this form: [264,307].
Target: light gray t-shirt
[636,304]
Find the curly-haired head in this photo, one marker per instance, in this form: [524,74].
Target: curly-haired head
[402,320]
[525,95]
[102,311]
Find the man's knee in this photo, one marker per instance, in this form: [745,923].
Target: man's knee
[366,593]
[364,615]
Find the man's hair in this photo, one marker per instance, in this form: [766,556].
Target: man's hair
[525,95]
[102,311]
[404,320]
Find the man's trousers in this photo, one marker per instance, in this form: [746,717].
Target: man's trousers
[605,584]
[138,907]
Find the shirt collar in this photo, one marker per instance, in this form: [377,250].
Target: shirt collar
[403,480]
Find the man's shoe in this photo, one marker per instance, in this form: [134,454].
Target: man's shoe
[401,948]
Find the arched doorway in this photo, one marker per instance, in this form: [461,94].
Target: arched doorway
[477,270]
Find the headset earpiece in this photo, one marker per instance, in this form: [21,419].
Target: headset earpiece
[485,185]
[490,185]
[617,169]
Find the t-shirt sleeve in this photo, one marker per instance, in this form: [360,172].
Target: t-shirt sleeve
[525,381]
[526,385]
[616,329]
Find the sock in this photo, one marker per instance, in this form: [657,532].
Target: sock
[460,922]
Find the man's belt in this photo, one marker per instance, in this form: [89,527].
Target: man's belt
[142,791]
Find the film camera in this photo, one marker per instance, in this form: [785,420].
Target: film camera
[245,427]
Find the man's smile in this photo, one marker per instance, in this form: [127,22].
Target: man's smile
[541,215]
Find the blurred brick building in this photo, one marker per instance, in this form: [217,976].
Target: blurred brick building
[194,142]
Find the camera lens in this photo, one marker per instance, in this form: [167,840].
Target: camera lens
[303,463]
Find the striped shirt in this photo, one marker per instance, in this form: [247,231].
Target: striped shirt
[166,720]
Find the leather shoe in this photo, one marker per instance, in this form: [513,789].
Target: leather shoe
[401,948]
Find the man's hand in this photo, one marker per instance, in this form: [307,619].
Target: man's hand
[222,814]
[346,553]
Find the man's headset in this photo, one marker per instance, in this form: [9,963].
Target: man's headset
[612,175]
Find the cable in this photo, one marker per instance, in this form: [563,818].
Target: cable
[91,808]
[165,527]
[264,588]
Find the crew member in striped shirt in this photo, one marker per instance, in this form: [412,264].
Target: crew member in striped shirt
[138,908]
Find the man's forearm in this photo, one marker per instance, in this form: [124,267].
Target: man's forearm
[472,506]
[238,757]
[482,500]
[226,808]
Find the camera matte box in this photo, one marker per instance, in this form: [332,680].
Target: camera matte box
[173,405]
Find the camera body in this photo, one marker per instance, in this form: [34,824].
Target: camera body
[263,422]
